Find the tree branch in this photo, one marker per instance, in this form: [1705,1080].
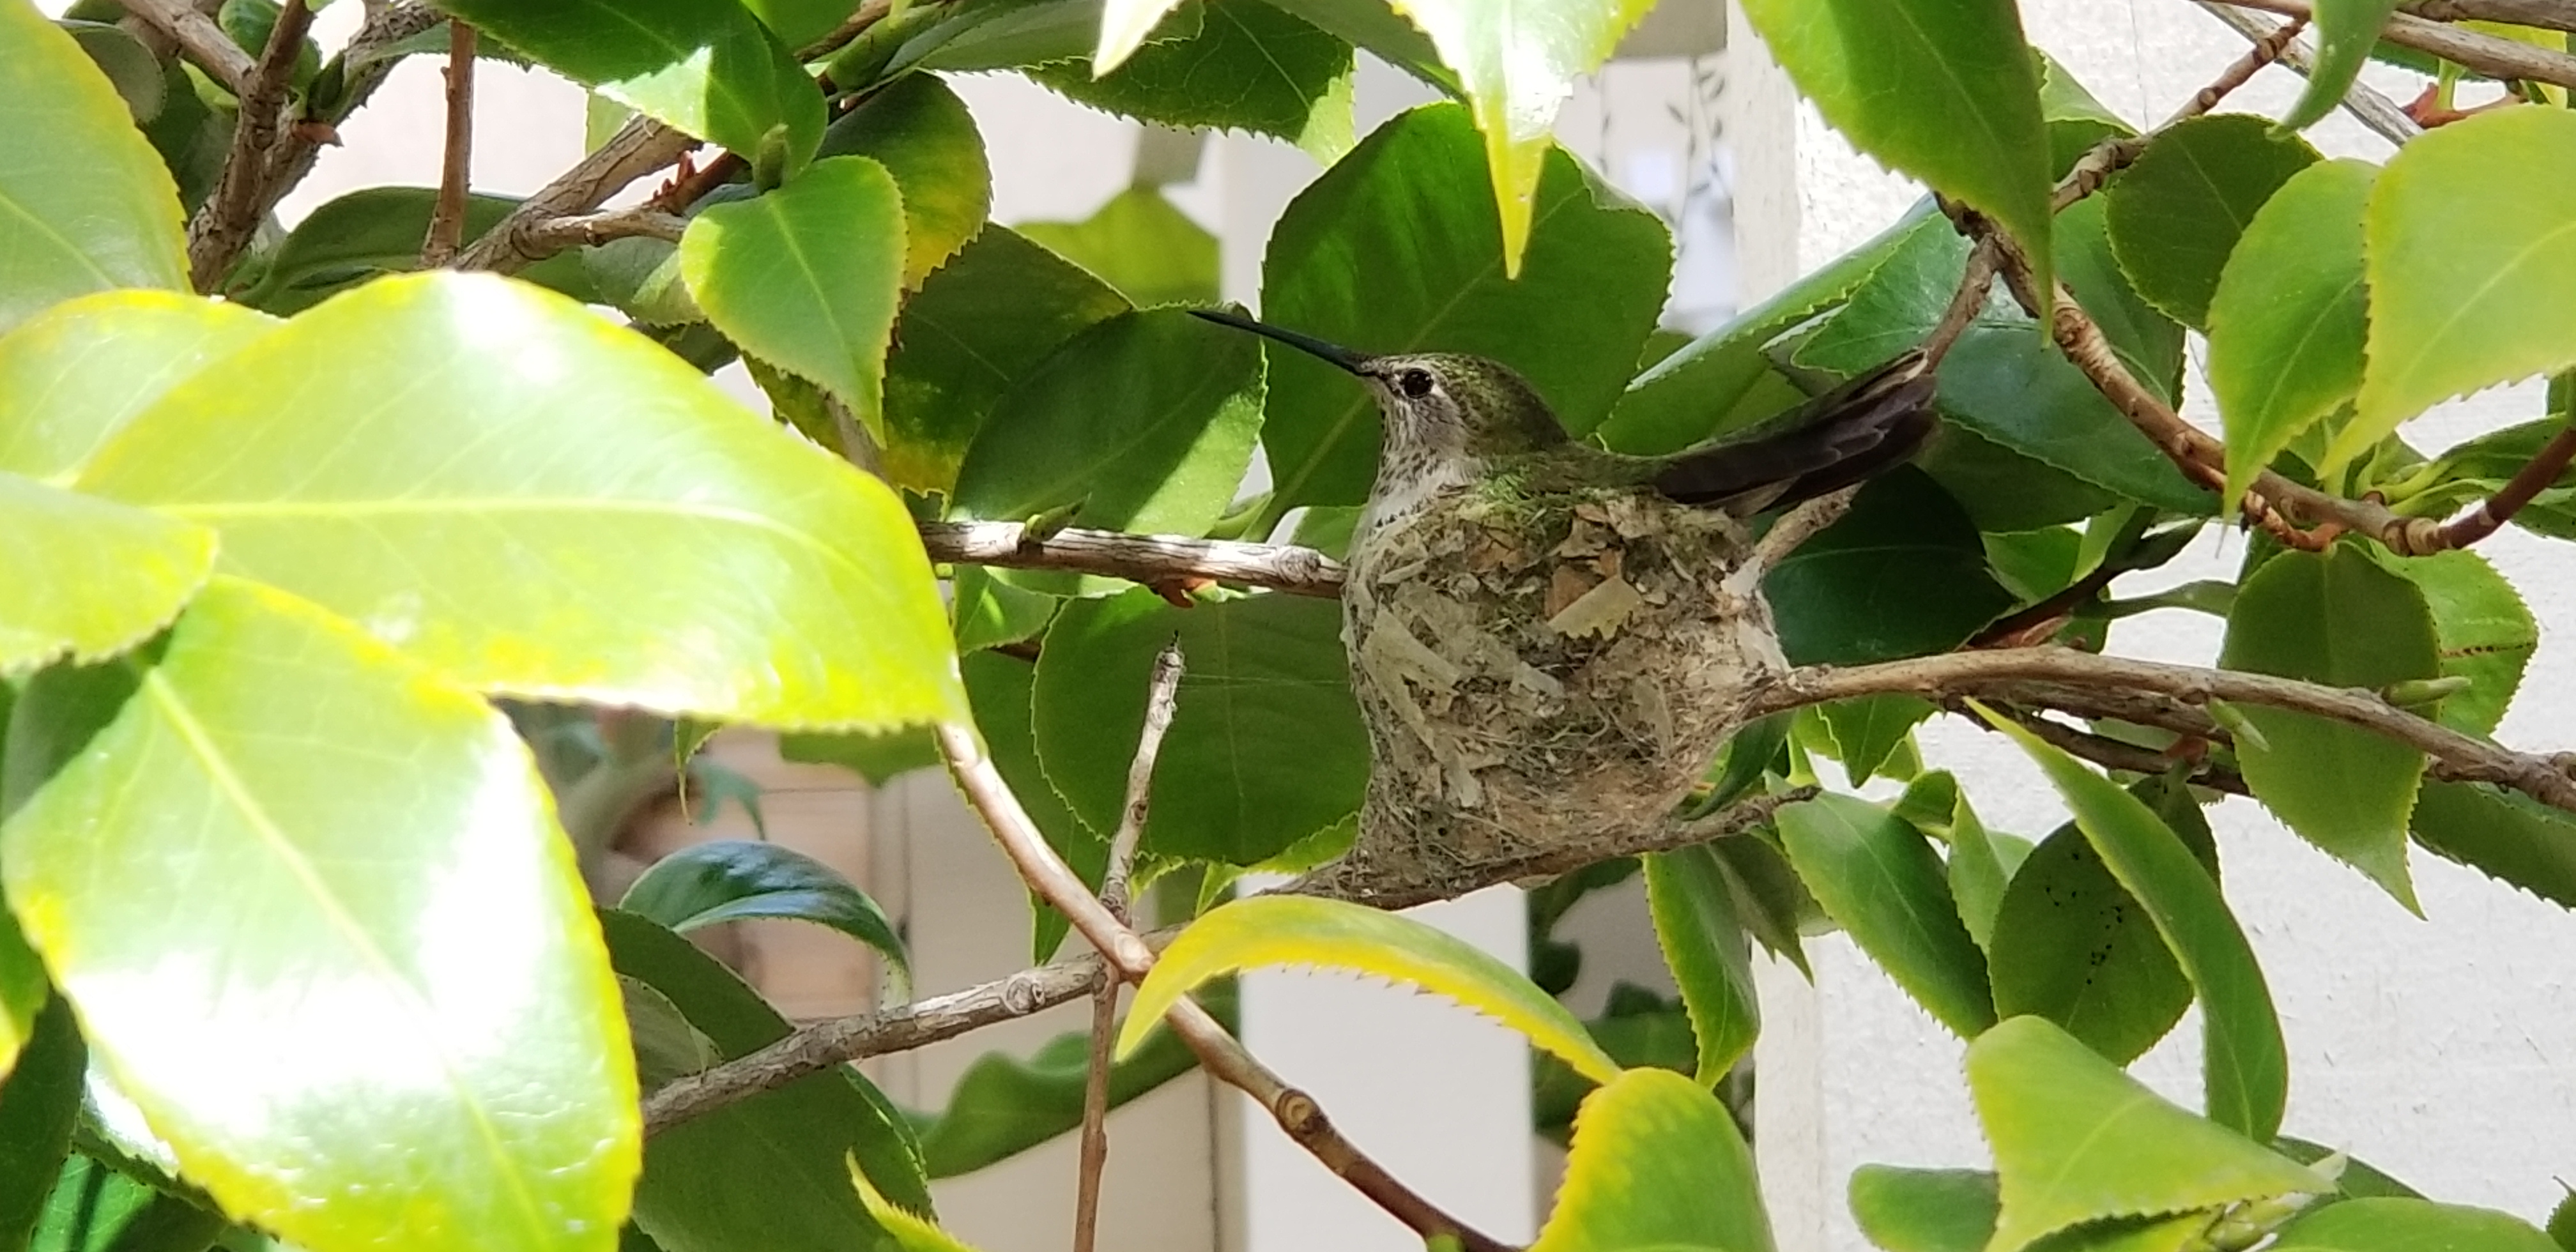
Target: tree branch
[2488,516]
[2491,55]
[580,230]
[203,41]
[2374,110]
[638,148]
[447,216]
[1141,558]
[2547,14]
[223,225]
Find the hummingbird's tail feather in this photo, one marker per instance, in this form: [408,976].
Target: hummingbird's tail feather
[1867,425]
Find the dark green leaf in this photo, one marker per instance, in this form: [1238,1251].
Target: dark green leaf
[2340,619]
[2287,320]
[1867,728]
[1002,690]
[1374,26]
[1879,879]
[39,1102]
[2176,214]
[94,1208]
[1903,574]
[1281,77]
[991,613]
[2504,834]
[2076,120]
[129,66]
[1393,250]
[92,208]
[1140,244]
[2070,944]
[1012,34]
[799,22]
[1704,944]
[922,134]
[728,880]
[1775,906]
[378,230]
[1263,669]
[2346,30]
[1925,1210]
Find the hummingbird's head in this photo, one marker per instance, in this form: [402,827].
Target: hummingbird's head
[1437,402]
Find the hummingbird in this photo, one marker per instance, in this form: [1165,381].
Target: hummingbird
[1548,640]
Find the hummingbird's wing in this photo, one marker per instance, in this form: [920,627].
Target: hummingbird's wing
[1869,424]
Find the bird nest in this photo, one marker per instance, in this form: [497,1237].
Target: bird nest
[1538,671]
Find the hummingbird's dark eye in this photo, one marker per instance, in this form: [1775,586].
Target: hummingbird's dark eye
[1415,384]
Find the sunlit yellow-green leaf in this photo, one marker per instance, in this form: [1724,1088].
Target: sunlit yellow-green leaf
[1517,61]
[88,578]
[922,134]
[2468,272]
[85,203]
[539,503]
[334,945]
[910,1231]
[806,276]
[2395,1224]
[74,374]
[2287,323]
[1333,934]
[2076,1140]
[1656,1162]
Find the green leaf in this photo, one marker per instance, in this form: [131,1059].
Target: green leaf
[806,276]
[1002,1105]
[1014,34]
[2245,1067]
[1391,252]
[1704,945]
[1003,692]
[1656,1163]
[378,230]
[1903,574]
[88,203]
[1516,62]
[298,1034]
[2486,633]
[1124,24]
[23,988]
[708,69]
[922,134]
[94,1208]
[73,375]
[1145,421]
[1262,669]
[2286,323]
[2398,1225]
[878,758]
[1140,244]
[1981,866]
[130,67]
[2339,619]
[2077,1141]
[1925,1210]
[1333,934]
[979,325]
[539,504]
[2072,945]
[2504,834]
[728,880]
[991,613]
[1942,90]
[1879,880]
[799,22]
[2346,32]
[1374,26]
[1282,77]
[1868,728]
[2177,213]
[89,578]
[39,1104]
[2076,119]
[767,1172]
[2466,291]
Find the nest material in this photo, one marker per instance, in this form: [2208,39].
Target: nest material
[1540,670]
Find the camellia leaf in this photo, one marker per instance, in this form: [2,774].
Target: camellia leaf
[313,1062]
[1123,27]
[2402,1225]
[89,204]
[978,326]
[770,1171]
[94,1208]
[2072,945]
[1704,944]
[1145,421]
[1140,243]
[1003,691]
[1517,61]
[806,276]
[1333,934]
[1257,669]
[1904,543]
[540,504]
[1656,1163]
[75,374]
[2465,293]
[378,230]
[89,578]
[922,134]
[1282,78]
[711,70]
[1387,252]
[2340,619]
[2287,321]
[1942,90]
[728,880]
[2503,834]
[2347,30]
[1925,1210]
[1868,728]
[1879,880]
[2487,634]
[2245,1067]
[23,988]
[1003,1105]
[2177,213]
[2078,1141]
[40,1101]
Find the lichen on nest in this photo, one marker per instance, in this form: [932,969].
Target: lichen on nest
[1540,668]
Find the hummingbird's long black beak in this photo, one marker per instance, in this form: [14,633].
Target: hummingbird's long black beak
[1308,344]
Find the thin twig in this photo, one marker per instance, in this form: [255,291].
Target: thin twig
[1219,1053]
[1095,1115]
[638,148]
[587,230]
[2546,14]
[2365,103]
[447,216]
[1976,280]
[2112,753]
[205,43]
[2491,55]
[2119,152]
[223,225]
[2489,515]
[1141,558]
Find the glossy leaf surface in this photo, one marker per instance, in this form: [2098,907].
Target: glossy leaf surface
[806,276]
[1878,878]
[728,880]
[78,372]
[2287,320]
[1656,1163]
